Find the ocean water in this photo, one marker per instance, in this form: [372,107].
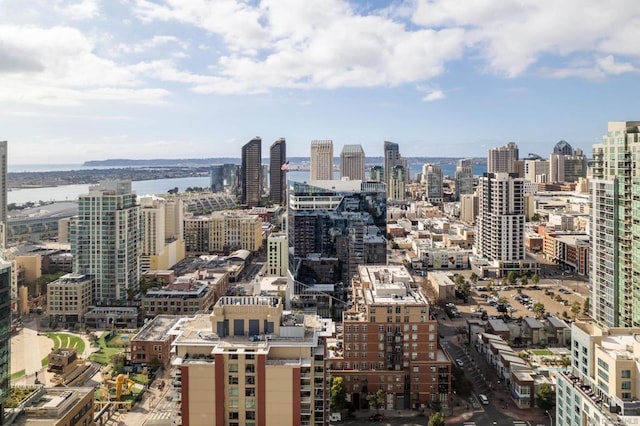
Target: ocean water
[149,187]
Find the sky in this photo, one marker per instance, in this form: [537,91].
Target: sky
[100,79]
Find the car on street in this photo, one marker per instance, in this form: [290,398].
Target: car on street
[459,362]
[376,417]
[483,399]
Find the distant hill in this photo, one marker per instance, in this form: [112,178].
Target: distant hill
[199,162]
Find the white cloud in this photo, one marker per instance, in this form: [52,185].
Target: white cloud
[151,43]
[434,96]
[511,37]
[84,9]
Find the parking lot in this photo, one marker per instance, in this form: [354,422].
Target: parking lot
[478,300]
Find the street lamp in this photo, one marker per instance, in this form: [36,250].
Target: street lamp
[550,418]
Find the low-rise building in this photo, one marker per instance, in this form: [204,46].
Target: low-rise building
[558,332]
[108,317]
[69,298]
[152,344]
[58,406]
[187,295]
[443,286]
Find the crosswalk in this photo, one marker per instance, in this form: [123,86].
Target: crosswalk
[515,423]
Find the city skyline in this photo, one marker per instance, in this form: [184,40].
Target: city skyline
[93,80]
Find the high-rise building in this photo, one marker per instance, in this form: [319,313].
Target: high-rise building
[329,224]
[251,363]
[251,170]
[376,173]
[500,220]
[5,333]
[567,164]
[277,255]
[159,249]
[615,206]
[352,162]
[397,186]
[224,178]
[3,194]
[277,171]
[432,177]
[536,171]
[392,158]
[106,240]
[503,159]
[410,367]
[321,160]
[464,177]
[600,388]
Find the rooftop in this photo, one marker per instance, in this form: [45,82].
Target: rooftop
[157,329]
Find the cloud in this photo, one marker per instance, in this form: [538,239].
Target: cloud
[85,9]
[434,96]
[152,43]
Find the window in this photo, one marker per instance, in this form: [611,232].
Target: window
[233,368]
[233,403]
[233,380]
[625,374]
[626,385]
[250,368]
[233,391]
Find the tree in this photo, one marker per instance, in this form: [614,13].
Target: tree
[511,277]
[436,419]
[117,360]
[575,309]
[377,399]
[545,397]
[338,394]
[474,278]
[462,285]
[587,306]
[535,278]
[524,280]
[538,309]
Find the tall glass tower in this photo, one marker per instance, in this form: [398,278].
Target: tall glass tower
[615,223]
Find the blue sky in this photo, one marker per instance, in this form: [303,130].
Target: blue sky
[97,79]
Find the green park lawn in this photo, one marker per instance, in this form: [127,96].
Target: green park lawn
[104,354]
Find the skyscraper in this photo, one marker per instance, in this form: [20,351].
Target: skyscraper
[277,174]
[503,159]
[106,240]
[566,164]
[432,177]
[224,178]
[251,170]
[5,333]
[352,162]
[615,207]
[397,178]
[464,177]
[392,158]
[321,160]
[3,193]
[500,221]
[329,228]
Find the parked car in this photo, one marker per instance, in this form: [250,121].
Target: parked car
[483,399]
[376,417]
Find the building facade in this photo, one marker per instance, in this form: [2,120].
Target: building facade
[5,332]
[3,194]
[464,177]
[328,225]
[225,178]
[234,230]
[503,159]
[251,171]
[321,160]
[106,240]
[69,298]
[390,342]
[277,255]
[615,275]
[258,364]
[432,177]
[500,220]
[602,386]
[159,249]
[278,172]
[352,162]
